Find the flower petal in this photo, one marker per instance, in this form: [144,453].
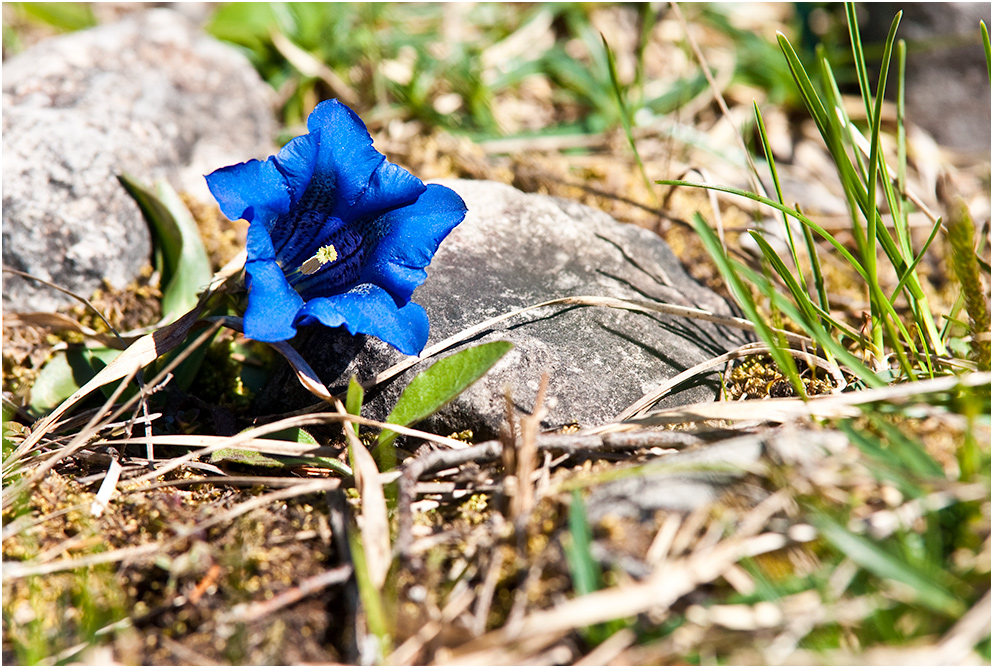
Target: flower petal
[363,181]
[416,231]
[296,161]
[272,304]
[389,187]
[368,309]
[253,190]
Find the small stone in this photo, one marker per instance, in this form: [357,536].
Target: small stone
[151,95]
[514,250]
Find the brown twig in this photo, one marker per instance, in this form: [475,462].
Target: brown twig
[251,612]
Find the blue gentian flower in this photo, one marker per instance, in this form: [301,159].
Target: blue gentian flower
[337,234]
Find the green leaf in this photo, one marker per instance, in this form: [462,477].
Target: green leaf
[244,23]
[262,460]
[64,373]
[186,267]
[440,383]
[66,16]
[294,435]
[353,400]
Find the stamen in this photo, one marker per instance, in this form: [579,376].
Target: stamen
[324,255]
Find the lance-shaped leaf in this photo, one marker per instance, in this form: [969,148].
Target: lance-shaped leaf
[440,383]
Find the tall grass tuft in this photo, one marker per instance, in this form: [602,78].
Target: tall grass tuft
[900,337]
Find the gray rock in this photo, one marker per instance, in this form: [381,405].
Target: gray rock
[515,250]
[685,481]
[947,83]
[151,95]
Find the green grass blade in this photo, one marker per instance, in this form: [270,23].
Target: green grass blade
[874,116]
[813,329]
[820,287]
[916,296]
[800,296]
[771,160]
[894,326]
[903,228]
[910,271]
[870,556]
[615,83]
[807,91]
[848,172]
[744,299]
[831,130]
[369,594]
[912,454]
[583,567]
[856,265]
[885,464]
[859,58]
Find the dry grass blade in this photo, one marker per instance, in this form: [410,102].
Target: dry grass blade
[375,523]
[138,355]
[658,591]
[84,300]
[229,480]
[784,410]
[586,444]
[645,307]
[184,653]
[485,598]
[957,645]
[883,523]
[90,430]
[405,654]
[609,649]
[718,96]
[249,440]
[210,444]
[526,457]
[107,488]
[309,66]
[12,492]
[581,300]
[58,321]
[746,350]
